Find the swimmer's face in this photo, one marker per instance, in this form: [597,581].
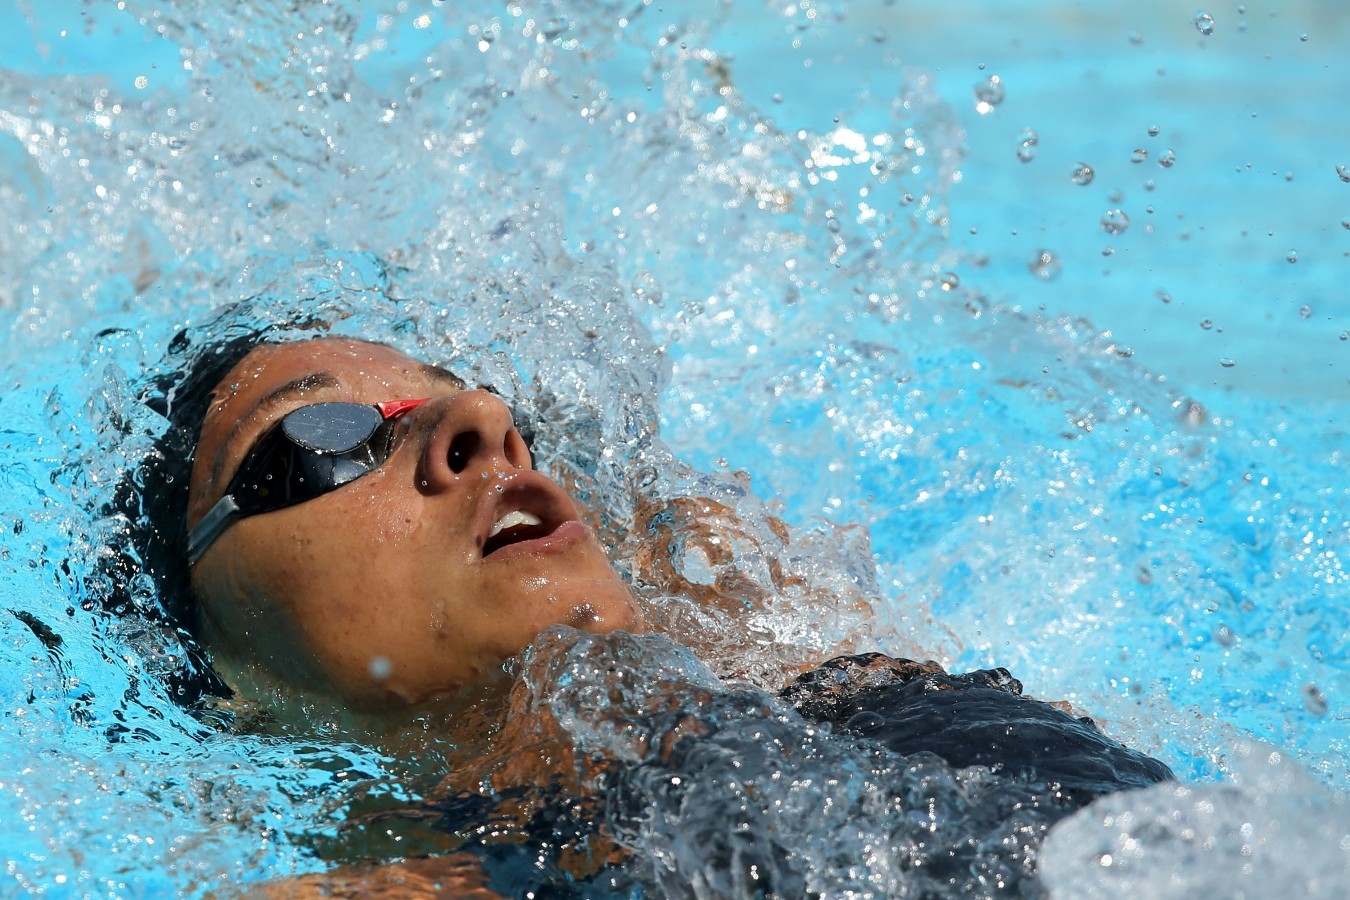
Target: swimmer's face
[380,593]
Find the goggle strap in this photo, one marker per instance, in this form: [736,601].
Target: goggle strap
[210,527]
[390,408]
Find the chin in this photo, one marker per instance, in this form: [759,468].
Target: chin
[607,608]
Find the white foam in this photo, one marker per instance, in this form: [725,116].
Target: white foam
[1273,831]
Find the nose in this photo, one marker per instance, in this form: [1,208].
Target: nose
[472,434]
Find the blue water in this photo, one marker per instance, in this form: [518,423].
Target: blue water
[998,432]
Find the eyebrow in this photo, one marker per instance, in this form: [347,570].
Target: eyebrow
[443,376]
[275,397]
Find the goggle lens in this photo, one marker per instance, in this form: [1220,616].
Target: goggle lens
[331,427]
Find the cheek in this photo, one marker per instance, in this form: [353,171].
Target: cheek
[373,512]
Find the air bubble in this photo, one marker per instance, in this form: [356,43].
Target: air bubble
[1026,145]
[950,281]
[1305,311]
[1153,130]
[1345,223]
[1168,158]
[1292,256]
[1083,175]
[1345,335]
[1139,155]
[1204,23]
[1207,324]
[1115,221]
[1344,172]
[380,667]
[1045,265]
[1163,296]
[989,94]
[1227,363]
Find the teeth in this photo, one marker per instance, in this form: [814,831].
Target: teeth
[512,519]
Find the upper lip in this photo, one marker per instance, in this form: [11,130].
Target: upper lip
[526,491]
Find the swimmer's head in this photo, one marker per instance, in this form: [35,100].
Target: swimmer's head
[413,580]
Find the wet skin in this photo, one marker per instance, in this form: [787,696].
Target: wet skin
[379,594]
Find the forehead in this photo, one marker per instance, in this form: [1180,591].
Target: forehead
[350,363]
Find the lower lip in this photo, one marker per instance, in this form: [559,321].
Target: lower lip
[565,535]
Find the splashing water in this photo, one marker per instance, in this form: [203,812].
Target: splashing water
[734,325]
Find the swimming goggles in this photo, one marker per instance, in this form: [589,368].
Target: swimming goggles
[313,450]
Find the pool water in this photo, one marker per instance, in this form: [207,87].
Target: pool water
[841,266]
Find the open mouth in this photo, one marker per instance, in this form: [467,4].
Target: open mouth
[516,526]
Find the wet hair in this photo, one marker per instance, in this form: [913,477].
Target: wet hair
[160,531]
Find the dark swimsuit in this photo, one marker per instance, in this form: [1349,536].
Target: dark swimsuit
[976,719]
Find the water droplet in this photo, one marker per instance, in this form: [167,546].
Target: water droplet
[1227,363]
[1083,174]
[1115,221]
[1027,141]
[1314,700]
[1305,311]
[1168,158]
[950,281]
[1207,324]
[1153,130]
[1292,256]
[1344,172]
[1139,155]
[380,667]
[1045,265]
[1204,23]
[989,94]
